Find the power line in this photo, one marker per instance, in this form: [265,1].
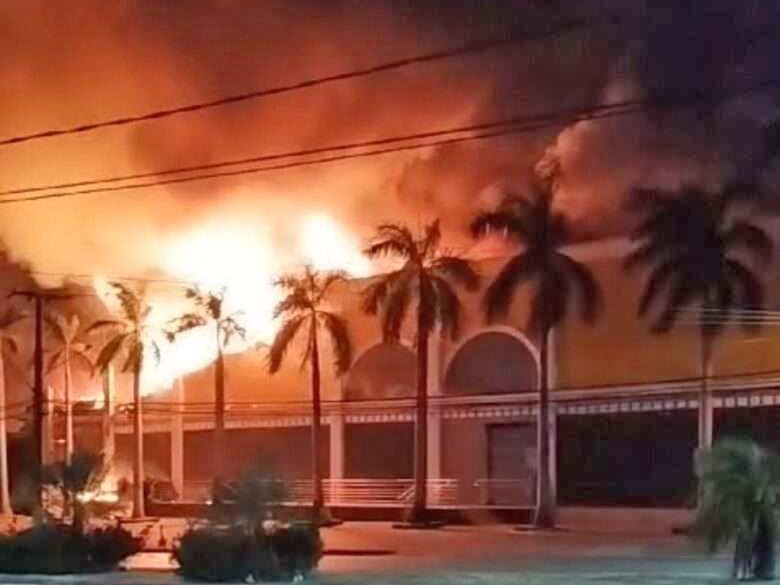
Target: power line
[470,48]
[504,128]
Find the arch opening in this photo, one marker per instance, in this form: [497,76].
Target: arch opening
[386,370]
[492,362]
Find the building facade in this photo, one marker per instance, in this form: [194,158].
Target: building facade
[624,410]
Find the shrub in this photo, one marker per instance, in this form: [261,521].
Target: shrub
[108,546]
[210,554]
[280,554]
[298,548]
[58,549]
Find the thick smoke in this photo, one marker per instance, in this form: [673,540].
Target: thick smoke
[66,64]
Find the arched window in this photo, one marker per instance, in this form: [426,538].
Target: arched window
[387,370]
[492,362]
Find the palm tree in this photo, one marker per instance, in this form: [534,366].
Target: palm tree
[739,499]
[426,277]
[211,310]
[693,248]
[71,347]
[84,473]
[7,345]
[556,278]
[130,338]
[304,309]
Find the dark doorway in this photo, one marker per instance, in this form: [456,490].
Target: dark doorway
[511,464]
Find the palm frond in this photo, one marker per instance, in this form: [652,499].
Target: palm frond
[458,270]
[183,323]
[751,290]
[104,324]
[550,302]
[585,285]
[448,307]
[392,240]
[750,238]
[10,317]
[294,302]
[282,341]
[110,351]
[396,306]
[431,239]
[657,282]
[498,296]
[339,339]
[9,343]
[683,294]
[55,360]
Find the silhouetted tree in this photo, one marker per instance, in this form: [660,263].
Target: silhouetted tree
[8,319]
[694,249]
[425,279]
[130,337]
[68,334]
[304,310]
[557,278]
[210,311]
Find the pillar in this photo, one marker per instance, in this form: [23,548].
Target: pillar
[552,380]
[177,438]
[434,409]
[336,425]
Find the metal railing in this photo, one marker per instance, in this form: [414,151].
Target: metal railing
[351,492]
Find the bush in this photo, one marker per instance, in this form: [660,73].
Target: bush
[212,554]
[297,547]
[58,549]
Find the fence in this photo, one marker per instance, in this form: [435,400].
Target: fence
[351,492]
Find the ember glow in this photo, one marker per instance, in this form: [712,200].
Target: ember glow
[241,260]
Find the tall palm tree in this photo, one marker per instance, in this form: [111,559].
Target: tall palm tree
[67,332]
[694,249]
[304,309]
[130,338]
[8,319]
[425,277]
[557,279]
[210,310]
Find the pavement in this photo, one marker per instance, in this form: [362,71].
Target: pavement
[376,554]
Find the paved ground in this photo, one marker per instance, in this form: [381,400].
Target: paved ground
[376,554]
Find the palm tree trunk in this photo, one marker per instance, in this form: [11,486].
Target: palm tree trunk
[68,409]
[705,397]
[219,414]
[5,493]
[545,514]
[138,431]
[419,508]
[316,416]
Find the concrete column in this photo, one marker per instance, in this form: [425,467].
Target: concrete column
[434,410]
[552,380]
[177,438]
[337,454]
[554,452]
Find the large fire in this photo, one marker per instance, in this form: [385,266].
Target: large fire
[241,259]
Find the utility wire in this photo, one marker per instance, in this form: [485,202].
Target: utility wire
[470,48]
[514,126]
